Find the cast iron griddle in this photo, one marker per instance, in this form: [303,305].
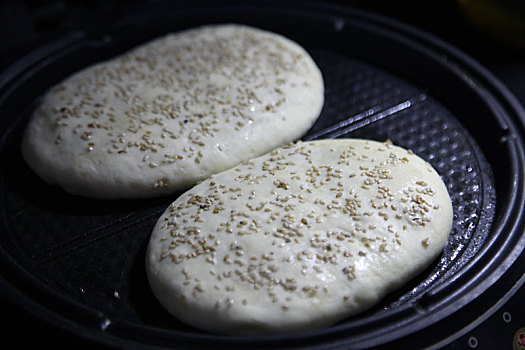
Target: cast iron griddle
[79,263]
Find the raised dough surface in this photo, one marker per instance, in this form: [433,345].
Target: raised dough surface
[299,238]
[173,111]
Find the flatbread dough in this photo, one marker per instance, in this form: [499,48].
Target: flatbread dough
[173,111]
[299,238]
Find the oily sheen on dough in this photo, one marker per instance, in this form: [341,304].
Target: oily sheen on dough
[171,112]
[299,238]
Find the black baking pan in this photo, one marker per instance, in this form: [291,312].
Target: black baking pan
[79,263]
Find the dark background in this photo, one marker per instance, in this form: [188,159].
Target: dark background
[491,32]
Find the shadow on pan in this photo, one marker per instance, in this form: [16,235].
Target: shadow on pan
[80,263]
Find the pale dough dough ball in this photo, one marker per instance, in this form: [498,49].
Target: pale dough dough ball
[173,111]
[299,238]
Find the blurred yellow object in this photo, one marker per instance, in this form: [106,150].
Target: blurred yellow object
[503,20]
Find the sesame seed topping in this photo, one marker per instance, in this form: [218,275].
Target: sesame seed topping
[302,222]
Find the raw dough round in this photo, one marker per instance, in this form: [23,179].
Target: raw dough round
[173,111]
[299,238]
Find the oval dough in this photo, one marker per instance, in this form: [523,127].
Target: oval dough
[173,111]
[299,238]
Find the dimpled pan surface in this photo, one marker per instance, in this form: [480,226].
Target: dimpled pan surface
[79,263]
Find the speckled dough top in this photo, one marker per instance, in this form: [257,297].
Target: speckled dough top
[299,238]
[173,111]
